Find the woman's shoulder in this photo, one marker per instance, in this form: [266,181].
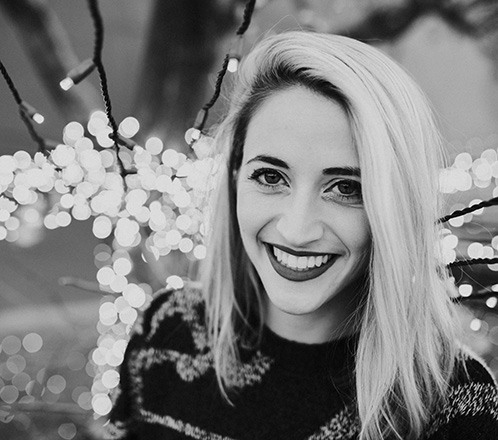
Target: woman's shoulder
[471,370]
[471,409]
[172,316]
[473,388]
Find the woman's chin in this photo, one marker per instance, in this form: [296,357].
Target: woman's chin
[297,304]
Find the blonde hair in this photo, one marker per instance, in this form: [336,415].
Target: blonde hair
[407,333]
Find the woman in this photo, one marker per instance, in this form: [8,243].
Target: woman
[323,310]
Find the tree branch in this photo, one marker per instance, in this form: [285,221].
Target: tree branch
[386,22]
[475,18]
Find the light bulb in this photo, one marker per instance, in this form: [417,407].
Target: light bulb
[192,135]
[32,113]
[66,84]
[77,74]
[233,65]
[235,54]
[38,118]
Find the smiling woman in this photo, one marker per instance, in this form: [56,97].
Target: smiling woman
[323,309]
[300,213]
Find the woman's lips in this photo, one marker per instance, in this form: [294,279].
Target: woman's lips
[297,275]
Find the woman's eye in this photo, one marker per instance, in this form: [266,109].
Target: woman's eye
[271,178]
[267,177]
[343,190]
[346,190]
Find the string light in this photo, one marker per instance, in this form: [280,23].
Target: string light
[77,74]
[230,62]
[235,55]
[82,182]
[27,112]
[465,290]
[462,175]
[113,137]
[32,112]
[163,207]
[491,302]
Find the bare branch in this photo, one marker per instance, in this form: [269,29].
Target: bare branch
[46,408]
[475,18]
[386,22]
[87,286]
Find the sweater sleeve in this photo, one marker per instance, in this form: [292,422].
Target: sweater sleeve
[471,411]
[122,421]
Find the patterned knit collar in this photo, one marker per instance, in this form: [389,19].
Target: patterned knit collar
[334,358]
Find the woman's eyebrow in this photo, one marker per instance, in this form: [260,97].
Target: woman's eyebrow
[271,160]
[333,171]
[342,171]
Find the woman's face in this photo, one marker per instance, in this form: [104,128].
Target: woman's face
[299,205]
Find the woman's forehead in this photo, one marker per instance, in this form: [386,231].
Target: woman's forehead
[301,128]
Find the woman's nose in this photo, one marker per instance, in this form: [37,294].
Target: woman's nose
[299,222]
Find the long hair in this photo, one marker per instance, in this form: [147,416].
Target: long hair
[407,333]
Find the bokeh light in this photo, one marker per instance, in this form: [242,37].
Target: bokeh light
[32,342]
[465,290]
[56,384]
[11,344]
[67,431]
[129,127]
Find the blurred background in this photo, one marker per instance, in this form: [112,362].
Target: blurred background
[76,265]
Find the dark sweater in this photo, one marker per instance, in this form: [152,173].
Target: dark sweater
[284,390]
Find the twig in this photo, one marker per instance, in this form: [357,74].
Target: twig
[88,286]
[43,407]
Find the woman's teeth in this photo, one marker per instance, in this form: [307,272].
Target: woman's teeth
[299,263]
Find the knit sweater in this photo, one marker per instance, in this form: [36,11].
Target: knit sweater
[282,390]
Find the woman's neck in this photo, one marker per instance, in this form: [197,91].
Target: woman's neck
[331,321]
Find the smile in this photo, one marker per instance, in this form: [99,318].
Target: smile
[302,267]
